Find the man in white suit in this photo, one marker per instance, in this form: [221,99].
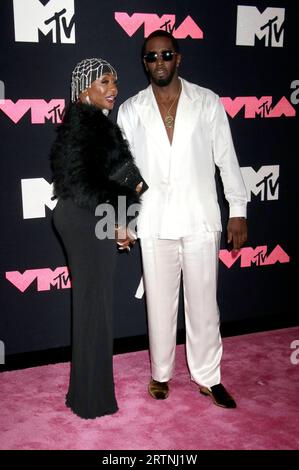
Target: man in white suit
[178,132]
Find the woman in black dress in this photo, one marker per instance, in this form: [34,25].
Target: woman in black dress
[88,159]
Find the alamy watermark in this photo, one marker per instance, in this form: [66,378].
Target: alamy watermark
[2,352]
[125,219]
[2,92]
[294,358]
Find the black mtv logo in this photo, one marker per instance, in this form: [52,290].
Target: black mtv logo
[56,114]
[268,186]
[274,32]
[59,21]
[61,281]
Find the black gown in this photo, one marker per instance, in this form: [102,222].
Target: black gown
[92,264]
[89,161]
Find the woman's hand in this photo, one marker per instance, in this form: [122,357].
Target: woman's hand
[124,238]
[139,187]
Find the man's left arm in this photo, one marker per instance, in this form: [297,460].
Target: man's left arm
[234,188]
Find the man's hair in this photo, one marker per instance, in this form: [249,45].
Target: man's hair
[157,34]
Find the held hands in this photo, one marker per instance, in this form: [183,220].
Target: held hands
[124,238]
[123,235]
[139,187]
[237,232]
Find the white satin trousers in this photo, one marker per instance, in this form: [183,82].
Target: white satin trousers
[164,261]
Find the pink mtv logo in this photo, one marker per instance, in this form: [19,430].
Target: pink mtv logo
[41,110]
[46,278]
[262,107]
[151,22]
[257,256]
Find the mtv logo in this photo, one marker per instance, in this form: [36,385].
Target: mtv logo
[267,26]
[264,182]
[36,194]
[31,17]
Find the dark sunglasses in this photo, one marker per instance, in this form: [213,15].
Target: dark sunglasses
[152,56]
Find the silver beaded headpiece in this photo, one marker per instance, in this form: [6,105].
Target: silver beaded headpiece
[86,72]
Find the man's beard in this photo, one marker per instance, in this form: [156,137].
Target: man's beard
[161,82]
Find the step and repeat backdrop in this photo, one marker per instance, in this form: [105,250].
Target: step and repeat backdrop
[245,51]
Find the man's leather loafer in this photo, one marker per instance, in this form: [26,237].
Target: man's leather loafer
[158,390]
[219,396]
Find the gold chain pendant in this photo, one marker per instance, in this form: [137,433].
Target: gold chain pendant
[168,121]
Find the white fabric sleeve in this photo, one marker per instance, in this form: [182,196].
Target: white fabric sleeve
[226,160]
[125,120]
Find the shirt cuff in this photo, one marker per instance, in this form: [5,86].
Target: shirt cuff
[237,211]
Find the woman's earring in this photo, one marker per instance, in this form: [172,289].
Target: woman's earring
[87,99]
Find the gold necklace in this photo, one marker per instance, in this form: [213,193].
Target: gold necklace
[169,119]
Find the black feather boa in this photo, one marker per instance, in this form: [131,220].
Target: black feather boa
[88,148]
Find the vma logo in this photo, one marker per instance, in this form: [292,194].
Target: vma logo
[152,21]
[266,26]
[45,278]
[262,107]
[56,17]
[258,256]
[264,182]
[41,110]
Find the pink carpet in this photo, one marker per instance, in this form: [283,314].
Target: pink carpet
[256,368]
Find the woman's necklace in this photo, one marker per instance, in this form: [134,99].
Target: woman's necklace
[169,119]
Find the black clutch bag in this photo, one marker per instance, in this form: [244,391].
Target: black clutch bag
[128,175]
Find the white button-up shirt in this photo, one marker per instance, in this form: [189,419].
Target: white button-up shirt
[182,199]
